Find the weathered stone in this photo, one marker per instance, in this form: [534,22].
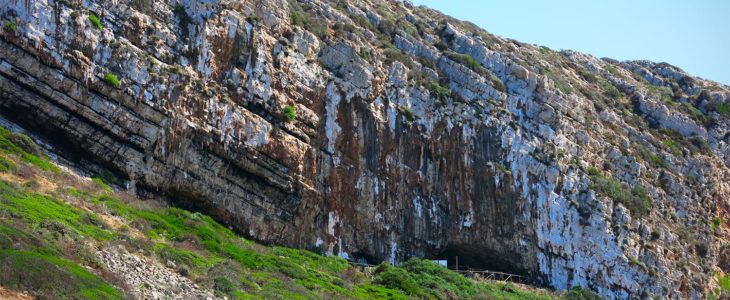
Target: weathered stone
[375,165]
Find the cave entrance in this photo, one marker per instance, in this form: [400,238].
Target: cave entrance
[468,260]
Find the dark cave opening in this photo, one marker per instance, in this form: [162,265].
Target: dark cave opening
[468,259]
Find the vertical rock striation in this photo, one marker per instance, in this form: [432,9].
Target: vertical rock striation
[415,135]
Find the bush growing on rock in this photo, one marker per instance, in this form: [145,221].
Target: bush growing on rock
[609,90]
[474,65]
[25,143]
[112,80]
[464,59]
[395,54]
[673,147]
[290,113]
[593,171]
[561,84]
[701,144]
[408,113]
[95,21]
[439,91]
[722,108]
[579,293]
[635,199]
[10,26]
[297,18]
[587,75]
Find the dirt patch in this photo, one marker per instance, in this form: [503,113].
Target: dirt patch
[117,224]
[40,184]
[13,295]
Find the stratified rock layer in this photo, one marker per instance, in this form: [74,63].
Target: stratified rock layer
[415,135]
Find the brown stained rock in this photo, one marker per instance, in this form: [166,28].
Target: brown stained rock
[375,167]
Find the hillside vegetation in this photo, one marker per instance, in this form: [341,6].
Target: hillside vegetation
[54,226]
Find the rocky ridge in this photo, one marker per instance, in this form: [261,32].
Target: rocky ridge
[415,134]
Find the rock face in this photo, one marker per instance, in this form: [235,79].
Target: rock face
[414,135]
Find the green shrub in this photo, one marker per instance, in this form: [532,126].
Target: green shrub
[175,69]
[51,277]
[464,59]
[614,71]
[701,144]
[439,91]
[593,171]
[395,54]
[387,26]
[25,143]
[407,112]
[560,83]
[650,156]
[672,147]
[693,111]
[10,26]
[496,82]
[396,278]
[19,144]
[716,223]
[373,291]
[40,162]
[724,282]
[635,199]
[609,90]
[474,65]
[693,144]
[407,27]
[224,287]
[587,75]
[290,113]
[579,293]
[697,115]
[6,165]
[502,168]
[297,18]
[101,183]
[95,21]
[317,26]
[35,209]
[112,80]
[722,108]
[545,50]
[423,279]
[180,257]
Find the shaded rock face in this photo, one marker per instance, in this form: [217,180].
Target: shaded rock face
[378,164]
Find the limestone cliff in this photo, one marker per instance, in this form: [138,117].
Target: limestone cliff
[379,130]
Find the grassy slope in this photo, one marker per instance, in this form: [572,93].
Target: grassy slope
[51,223]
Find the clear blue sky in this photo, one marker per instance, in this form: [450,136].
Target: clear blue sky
[691,34]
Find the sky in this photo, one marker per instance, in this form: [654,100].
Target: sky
[691,34]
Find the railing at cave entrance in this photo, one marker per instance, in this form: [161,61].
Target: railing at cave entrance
[493,275]
[471,273]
